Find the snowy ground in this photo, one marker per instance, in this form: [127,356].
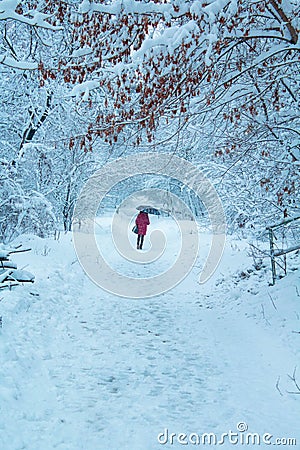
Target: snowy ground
[83,369]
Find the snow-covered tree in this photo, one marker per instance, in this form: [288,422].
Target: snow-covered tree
[216,82]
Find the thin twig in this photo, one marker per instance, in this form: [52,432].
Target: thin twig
[20,251]
[263,252]
[277,386]
[272,301]
[293,378]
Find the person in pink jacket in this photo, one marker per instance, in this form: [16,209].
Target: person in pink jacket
[142,221]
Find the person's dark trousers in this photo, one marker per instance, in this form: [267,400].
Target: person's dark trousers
[140,241]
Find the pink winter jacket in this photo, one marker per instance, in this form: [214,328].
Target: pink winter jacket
[142,221]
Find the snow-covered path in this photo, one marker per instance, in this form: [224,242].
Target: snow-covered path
[83,369]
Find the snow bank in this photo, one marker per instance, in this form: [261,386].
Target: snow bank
[81,368]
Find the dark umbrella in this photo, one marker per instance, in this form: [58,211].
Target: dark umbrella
[148,209]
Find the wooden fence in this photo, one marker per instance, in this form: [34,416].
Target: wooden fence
[275,252]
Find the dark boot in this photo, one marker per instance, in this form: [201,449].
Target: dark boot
[142,241]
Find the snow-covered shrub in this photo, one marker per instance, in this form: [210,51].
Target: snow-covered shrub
[23,212]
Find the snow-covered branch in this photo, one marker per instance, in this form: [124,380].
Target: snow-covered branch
[32,17]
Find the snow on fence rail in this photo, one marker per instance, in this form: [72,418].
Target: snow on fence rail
[276,252]
[10,275]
